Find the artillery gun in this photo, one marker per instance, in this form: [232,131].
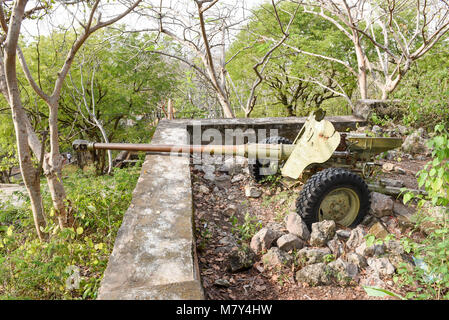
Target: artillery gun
[331,164]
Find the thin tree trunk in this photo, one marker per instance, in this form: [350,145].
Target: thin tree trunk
[54,170]
[31,176]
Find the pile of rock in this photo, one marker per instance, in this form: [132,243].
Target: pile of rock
[327,255]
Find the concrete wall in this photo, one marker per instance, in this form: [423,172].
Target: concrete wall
[154,253]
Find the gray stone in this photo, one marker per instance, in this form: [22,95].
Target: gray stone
[343,234]
[415,143]
[238,178]
[343,270]
[296,226]
[223,181]
[401,260]
[336,246]
[240,259]
[357,259]
[356,238]
[230,210]
[231,167]
[322,232]
[373,279]
[278,229]
[395,247]
[381,205]
[222,283]
[377,130]
[312,255]
[252,192]
[402,130]
[378,231]
[262,240]
[381,266]
[203,189]
[314,275]
[275,257]
[290,242]
[373,250]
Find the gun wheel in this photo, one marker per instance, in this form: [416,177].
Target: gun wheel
[334,194]
[263,168]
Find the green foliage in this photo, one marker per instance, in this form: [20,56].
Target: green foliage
[247,229]
[431,274]
[8,158]
[379,292]
[283,93]
[30,269]
[423,92]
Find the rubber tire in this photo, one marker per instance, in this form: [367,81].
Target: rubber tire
[323,182]
[254,169]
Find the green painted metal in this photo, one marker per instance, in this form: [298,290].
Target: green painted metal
[315,143]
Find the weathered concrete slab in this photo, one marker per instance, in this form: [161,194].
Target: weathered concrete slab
[154,252]
[7,195]
[286,127]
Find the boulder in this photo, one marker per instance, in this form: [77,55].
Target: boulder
[378,231]
[262,240]
[394,247]
[252,192]
[314,274]
[296,226]
[343,234]
[238,178]
[356,259]
[230,210]
[278,229]
[275,258]
[290,242]
[381,266]
[223,181]
[415,143]
[336,246]
[231,166]
[373,250]
[240,259]
[322,232]
[401,260]
[381,205]
[343,270]
[312,255]
[203,189]
[356,238]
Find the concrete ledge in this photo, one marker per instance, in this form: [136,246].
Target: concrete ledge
[286,127]
[154,252]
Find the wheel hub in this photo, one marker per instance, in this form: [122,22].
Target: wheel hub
[341,205]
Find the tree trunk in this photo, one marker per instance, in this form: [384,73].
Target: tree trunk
[29,173]
[225,105]
[53,169]
[361,63]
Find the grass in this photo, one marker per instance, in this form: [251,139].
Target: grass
[71,263]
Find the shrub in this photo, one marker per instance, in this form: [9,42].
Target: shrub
[30,269]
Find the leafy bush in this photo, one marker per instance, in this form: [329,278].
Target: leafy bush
[30,269]
[430,277]
[246,230]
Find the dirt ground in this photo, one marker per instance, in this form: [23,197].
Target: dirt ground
[222,207]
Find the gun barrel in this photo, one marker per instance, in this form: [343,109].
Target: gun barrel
[260,151]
